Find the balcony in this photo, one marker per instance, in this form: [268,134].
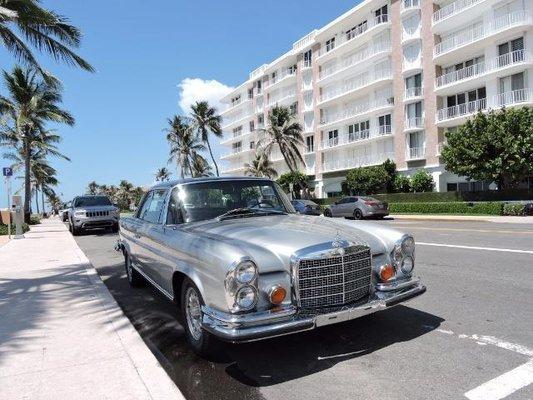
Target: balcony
[415,153]
[413,93]
[411,65]
[453,9]
[341,41]
[358,58]
[230,122]
[233,136]
[236,105]
[348,163]
[358,111]
[285,99]
[357,84]
[408,6]
[350,138]
[478,34]
[235,151]
[414,124]
[477,73]
[283,78]
[453,115]
[411,33]
[514,98]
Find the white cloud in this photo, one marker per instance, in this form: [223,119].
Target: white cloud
[196,89]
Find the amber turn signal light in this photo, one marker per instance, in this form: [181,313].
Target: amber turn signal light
[277,295]
[386,272]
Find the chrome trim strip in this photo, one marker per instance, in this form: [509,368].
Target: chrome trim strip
[388,287]
[163,291]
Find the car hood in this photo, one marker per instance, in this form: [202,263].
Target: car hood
[266,238]
[96,208]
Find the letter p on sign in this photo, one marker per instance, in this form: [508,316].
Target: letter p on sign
[7,171]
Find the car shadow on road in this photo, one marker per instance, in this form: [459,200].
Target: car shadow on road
[291,357]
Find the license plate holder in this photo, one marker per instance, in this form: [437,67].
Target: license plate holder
[332,318]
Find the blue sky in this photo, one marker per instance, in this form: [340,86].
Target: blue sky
[143,51]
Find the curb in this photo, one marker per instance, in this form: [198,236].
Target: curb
[155,379]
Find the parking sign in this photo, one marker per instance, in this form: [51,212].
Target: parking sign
[7,171]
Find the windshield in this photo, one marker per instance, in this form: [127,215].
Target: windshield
[92,201]
[207,200]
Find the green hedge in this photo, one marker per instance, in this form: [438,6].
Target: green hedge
[3,229]
[492,208]
[514,209]
[422,197]
[35,219]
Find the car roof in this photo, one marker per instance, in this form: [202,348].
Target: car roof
[171,184]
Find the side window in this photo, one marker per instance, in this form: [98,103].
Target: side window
[145,202]
[174,214]
[154,206]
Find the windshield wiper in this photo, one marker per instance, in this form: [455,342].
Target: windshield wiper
[246,211]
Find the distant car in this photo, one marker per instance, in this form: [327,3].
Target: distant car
[306,207]
[92,212]
[358,207]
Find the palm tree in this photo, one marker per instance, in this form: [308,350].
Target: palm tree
[205,121]
[41,28]
[260,166]
[184,145]
[32,101]
[162,174]
[124,195]
[93,188]
[200,167]
[284,132]
[45,179]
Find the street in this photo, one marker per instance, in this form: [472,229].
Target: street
[470,336]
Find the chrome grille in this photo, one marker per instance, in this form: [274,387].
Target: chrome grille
[97,213]
[334,280]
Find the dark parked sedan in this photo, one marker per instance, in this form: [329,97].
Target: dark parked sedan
[306,207]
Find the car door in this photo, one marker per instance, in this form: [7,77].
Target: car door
[351,205]
[149,232]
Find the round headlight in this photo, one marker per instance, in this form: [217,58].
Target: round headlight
[245,272]
[408,265]
[246,297]
[408,245]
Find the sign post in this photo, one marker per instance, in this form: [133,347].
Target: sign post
[7,172]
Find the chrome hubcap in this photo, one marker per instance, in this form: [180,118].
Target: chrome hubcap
[193,313]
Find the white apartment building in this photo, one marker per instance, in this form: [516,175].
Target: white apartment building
[386,80]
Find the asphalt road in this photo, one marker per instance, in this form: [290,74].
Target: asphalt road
[469,336]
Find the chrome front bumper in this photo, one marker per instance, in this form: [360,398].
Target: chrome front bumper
[284,321]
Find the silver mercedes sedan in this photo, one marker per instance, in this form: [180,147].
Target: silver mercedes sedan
[242,265]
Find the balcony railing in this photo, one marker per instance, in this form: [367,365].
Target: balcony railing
[355,59]
[347,163]
[339,40]
[414,123]
[354,137]
[482,31]
[283,97]
[503,61]
[226,121]
[357,83]
[414,63]
[410,5]
[416,153]
[453,8]
[514,97]
[357,110]
[461,110]
[413,92]
[412,32]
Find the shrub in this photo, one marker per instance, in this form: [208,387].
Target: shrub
[493,208]
[35,219]
[297,178]
[402,184]
[514,209]
[3,229]
[422,181]
[367,180]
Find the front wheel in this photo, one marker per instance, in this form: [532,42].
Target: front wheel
[327,213]
[202,342]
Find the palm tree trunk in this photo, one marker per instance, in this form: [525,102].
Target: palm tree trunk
[27,182]
[42,198]
[37,198]
[212,158]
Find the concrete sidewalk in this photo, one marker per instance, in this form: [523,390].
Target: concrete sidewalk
[62,335]
[483,218]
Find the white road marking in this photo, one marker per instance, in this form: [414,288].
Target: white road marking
[475,247]
[504,385]
[517,348]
